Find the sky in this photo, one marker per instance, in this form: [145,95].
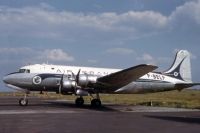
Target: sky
[98,33]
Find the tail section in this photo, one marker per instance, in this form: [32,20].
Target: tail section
[181,68]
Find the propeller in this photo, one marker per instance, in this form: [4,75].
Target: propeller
[61,83]
[77,76]
[77,81]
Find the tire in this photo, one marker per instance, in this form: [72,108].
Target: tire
[23,102]
[96,103]
[79,102]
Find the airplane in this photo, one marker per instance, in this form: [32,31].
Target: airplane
[84,81]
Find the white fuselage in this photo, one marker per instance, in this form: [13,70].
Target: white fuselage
[69,70]
[48,78]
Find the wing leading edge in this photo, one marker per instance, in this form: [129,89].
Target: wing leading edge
[126,76]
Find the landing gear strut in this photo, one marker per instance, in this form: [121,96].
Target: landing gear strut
[23,101]
[79,101]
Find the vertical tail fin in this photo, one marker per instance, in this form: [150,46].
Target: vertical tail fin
[181,68]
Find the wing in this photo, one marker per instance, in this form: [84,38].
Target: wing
[126,76]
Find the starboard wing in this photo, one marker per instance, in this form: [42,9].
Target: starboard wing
[126,76]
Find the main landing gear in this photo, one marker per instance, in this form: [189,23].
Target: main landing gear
[95,103]
[79,101]
[23,101]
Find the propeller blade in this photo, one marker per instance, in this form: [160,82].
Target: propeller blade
[61,83]
[77,76]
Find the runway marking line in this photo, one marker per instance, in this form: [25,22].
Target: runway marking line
[10,112]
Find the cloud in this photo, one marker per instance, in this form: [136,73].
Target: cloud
[120,51]
[109,27]
[55,55]
[92,61]
[54,24]
[15,55]
[31,55]
[147,58]
[186,17]
[15,51]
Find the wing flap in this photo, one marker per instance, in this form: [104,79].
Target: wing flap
[126,76]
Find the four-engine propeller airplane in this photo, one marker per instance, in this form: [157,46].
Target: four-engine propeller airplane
[83,81]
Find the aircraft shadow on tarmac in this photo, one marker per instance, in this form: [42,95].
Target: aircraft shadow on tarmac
[58,105]
[190,120]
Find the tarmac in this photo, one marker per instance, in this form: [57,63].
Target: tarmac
[58,116]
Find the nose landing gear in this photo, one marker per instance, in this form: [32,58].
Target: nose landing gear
[23,101]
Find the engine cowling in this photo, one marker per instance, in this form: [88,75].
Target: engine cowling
[69,84]
[80,92]
[86,80]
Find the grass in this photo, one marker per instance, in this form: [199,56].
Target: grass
[182,99]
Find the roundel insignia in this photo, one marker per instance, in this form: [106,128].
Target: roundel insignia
[37,80]
[176,74]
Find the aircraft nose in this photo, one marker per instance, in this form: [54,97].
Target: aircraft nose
[6,79]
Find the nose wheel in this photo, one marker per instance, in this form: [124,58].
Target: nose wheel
[23,101]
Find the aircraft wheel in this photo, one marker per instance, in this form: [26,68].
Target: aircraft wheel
[96,103]
[23,102]
[79,101]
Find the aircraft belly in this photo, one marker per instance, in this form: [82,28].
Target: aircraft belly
[145,87]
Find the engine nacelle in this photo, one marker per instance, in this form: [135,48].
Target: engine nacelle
[80,92]
[69,84]
[85,80]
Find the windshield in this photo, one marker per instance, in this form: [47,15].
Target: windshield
[24,71]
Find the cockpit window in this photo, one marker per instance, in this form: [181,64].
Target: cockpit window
[27,71]
[24,71]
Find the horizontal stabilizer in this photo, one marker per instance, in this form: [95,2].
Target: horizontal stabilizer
[185,85]
[126,76]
